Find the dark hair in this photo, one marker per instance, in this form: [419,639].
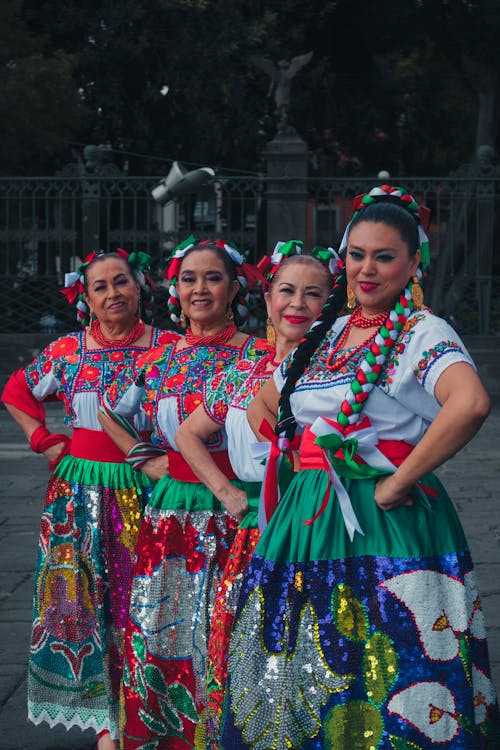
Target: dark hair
[145,295]
[101,257]
[300,259]
[395,216]
[386,212]
[302,356]
[229,265]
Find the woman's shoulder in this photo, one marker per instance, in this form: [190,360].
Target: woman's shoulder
[429,327]
[67,344]
[251,346]
[164,337]
[160,351]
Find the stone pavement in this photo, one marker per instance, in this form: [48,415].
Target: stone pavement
[472,479]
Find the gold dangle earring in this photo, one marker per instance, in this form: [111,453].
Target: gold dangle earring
[417,294]
[91,320]
[183,319]
[351,298]
[270,333]
[229,313]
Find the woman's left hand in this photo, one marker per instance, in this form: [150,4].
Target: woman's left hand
[155,468]
[235,502]
[388,495]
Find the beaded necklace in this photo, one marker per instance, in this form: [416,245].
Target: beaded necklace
[216,339]
[135,333]
[335,360]
[370,369]
[360,321]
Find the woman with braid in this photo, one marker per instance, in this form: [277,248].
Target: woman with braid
[359,624]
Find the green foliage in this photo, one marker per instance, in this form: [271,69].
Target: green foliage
[39,106]
[396,87]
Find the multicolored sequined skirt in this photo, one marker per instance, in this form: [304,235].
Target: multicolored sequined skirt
[226,600]
[378,643]
[182,551]
[88,532]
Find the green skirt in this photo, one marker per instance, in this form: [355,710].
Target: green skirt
[378,642]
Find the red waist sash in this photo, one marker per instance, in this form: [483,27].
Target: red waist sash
[95,445]
[311,455]
[178,468]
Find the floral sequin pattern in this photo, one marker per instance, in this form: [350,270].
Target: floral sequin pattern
[360,693]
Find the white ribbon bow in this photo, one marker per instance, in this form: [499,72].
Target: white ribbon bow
[367,441]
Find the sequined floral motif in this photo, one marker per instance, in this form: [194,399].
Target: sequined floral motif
[300,668]
[359,723]
[174,702]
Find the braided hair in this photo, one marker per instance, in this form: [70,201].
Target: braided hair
[397,208]
[234,263]
[335,302]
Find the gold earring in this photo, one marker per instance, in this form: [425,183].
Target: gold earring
[229,313]
[351,298]
[183,319]
[92,317]
[417,294]
[270,333]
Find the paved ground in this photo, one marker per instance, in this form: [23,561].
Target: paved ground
[472,479]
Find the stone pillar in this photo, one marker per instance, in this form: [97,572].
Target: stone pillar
[485,219]
[286,159]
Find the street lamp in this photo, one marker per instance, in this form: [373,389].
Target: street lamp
[177,183]
[180,182]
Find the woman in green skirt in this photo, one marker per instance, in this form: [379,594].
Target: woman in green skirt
[359,624]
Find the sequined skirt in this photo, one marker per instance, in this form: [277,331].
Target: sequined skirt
[226,600]
[182,551]
[375,643]
[88,531]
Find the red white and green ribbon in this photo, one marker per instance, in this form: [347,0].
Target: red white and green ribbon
[246,274]
[269,264]
[74,282]
[361,443]
[369,371]
[275,449]
[142,451]
[404,199]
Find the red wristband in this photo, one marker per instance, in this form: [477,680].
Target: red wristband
[38,438]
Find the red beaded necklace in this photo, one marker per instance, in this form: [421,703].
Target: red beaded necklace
[135,333]
[335,362]
[360,321]
[267,359]
[216,339]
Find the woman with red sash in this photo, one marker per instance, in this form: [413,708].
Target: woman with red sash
[359,623]
[297,287]
[94,500]
[187,531]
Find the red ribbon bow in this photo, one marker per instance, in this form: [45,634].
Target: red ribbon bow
[280,446]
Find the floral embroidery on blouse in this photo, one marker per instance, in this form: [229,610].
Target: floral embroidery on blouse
[164,373]
[404,339]
[431,356]
[234,387]
[67,368]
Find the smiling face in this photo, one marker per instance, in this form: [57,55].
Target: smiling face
[205,289]
[378,265]
[113,293]
[297,295]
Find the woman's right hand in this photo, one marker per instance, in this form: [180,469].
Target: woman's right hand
[53,453]
[155,468]
[235,502]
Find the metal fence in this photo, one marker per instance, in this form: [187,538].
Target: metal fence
[48,224]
